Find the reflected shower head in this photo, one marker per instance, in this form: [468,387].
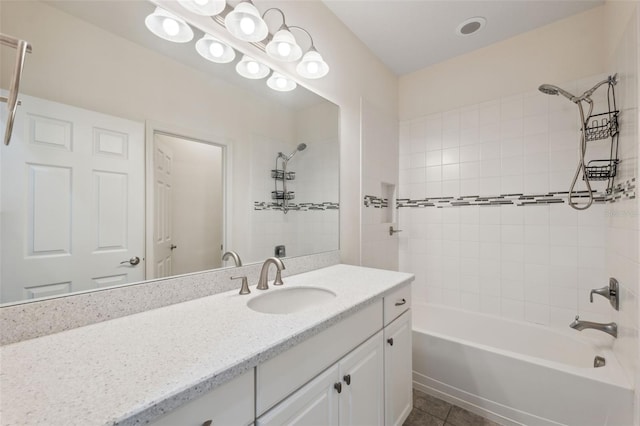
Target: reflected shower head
[550,89]
[300,147]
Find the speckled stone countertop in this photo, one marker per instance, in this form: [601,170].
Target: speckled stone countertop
[131,370]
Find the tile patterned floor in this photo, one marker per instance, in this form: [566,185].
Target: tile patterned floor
[431,411]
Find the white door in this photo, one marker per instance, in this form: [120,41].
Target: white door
[315,404]
[362,398]
[161,260]
[398,370]
[72,201]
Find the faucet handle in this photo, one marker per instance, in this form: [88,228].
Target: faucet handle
[609,292]
[603,291]
[245,285]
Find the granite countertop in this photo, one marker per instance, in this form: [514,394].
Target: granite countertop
[132,369]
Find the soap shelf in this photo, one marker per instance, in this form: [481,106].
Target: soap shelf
[599,170]
[281,174]
[281,195]
[602,126]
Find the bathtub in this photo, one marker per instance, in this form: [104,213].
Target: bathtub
[518,373]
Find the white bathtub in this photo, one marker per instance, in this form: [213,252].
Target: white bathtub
[518,373]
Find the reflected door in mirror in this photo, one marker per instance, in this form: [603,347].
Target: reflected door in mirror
[72,201]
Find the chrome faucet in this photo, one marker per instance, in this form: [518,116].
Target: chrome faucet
[234,255]
[264,273]
[610,328]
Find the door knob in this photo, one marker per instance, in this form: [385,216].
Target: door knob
[173,247]
[133,261]
[390,341]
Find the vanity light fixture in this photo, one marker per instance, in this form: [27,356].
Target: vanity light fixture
[168,26]
[312,65]
[283,45]
[245,23]
[214,50]
[281,83]
[204,7]
[252,69]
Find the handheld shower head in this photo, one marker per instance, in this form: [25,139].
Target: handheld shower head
[300,147]
[550,89]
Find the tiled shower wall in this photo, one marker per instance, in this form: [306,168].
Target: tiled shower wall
[314,227]
[535,262]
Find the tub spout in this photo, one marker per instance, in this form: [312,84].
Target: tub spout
[609,328]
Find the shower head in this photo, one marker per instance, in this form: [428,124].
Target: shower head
[550,89]
[300,147]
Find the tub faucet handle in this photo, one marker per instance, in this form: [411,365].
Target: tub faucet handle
[609,292]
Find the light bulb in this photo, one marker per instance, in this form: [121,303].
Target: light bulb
[201,2]
[170,26]
[281,82]
[216,49]
[284,49]
[253,67]
[312,67]
[247,25]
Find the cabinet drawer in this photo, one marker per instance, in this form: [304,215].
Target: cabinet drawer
[229,404]
[396,303]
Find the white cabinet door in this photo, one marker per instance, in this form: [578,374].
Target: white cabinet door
[315,404]
[229,404]
[362,397]
[397,370]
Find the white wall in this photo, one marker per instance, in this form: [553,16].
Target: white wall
[379,139]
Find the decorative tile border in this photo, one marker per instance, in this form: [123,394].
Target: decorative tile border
[376,202]
[624,190]
[303,207]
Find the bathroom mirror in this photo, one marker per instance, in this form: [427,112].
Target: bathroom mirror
[99,82]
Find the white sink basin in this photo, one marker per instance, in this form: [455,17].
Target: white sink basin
[290,300]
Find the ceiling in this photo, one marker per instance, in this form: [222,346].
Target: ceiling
[408,35]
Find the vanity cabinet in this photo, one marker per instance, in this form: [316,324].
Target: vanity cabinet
[356,372]
[229,404]
[350,392]
[398,370]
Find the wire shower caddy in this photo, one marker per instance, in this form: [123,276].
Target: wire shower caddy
[600,127]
